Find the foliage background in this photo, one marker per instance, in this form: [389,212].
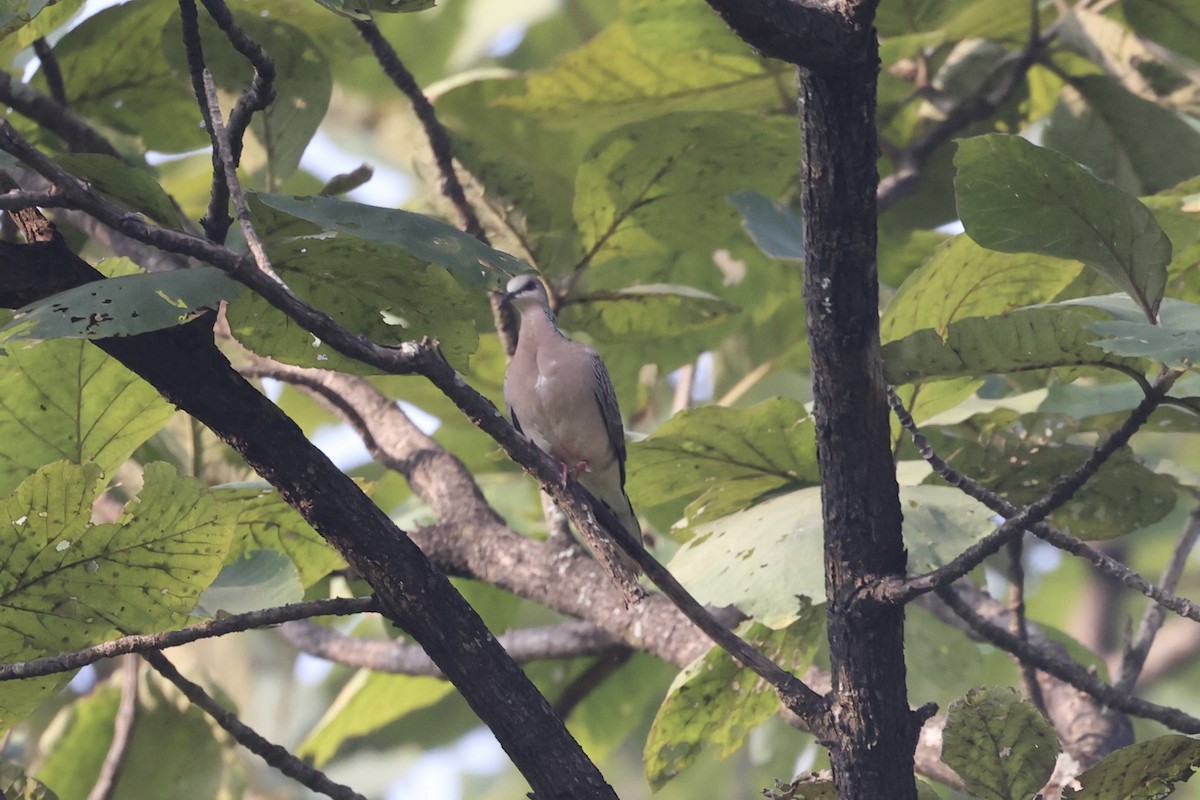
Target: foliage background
[644,159]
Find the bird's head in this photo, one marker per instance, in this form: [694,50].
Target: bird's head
[525,291]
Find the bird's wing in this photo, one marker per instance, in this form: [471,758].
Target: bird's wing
[610,412]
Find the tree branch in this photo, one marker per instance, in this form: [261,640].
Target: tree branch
[439,139]
[142,642]
[1067,670]
[809,33]
[562,641]
[186,367]
[1031,517]
[126,718]
[273,754]
[51,70]
[1087,728]
[73,130]
[1137,650]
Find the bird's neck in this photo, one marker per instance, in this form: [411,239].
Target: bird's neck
[542,320]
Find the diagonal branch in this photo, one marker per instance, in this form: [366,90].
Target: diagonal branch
[273,754]
[1067,670]
[1137,650]
[439,139]
[1031,517]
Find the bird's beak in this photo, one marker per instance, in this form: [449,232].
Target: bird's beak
[506,298]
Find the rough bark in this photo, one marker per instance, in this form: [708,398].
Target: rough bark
[186,367]
[875,732]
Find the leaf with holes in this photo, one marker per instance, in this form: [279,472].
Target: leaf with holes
[68,583]
[999,744]
[122,306]
[717,702]
[1149,769]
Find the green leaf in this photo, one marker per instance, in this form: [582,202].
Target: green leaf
[426,238]
[775,228]
[727,456]
[29,20]
[68,400]
[651,195]
[1149,769]
[368,702]
[1016,197]
[763,558]
[363,9]
[263,579]
[1020,456]
[130,88]
[1173,23]
[1136,144]
[123,306]
[1175,341]
[134,188]
[1027,339]
[264,521]
[373,289]
[68,583]
[999,744]
[961,279]
[716,701]
[19,13]
[172,752]
[277,135]
[663,58]
[16,785]
[641,312]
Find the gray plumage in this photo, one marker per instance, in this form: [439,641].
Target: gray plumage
[559,395]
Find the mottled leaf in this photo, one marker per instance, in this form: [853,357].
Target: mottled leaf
[67,583]
[999,744]
[1145,770]
[716,702]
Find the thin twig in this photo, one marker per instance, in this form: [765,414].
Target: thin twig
[1070,672]
[51,70]
[443,156]
[216,220]
[141,642]
[261,92]
[1017,520]
[1016,608]
[229,165]
[439,139]
[126,718]
[273,754]
[1137,650]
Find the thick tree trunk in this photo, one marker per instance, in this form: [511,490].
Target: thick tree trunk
[875,733]
[186,367]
